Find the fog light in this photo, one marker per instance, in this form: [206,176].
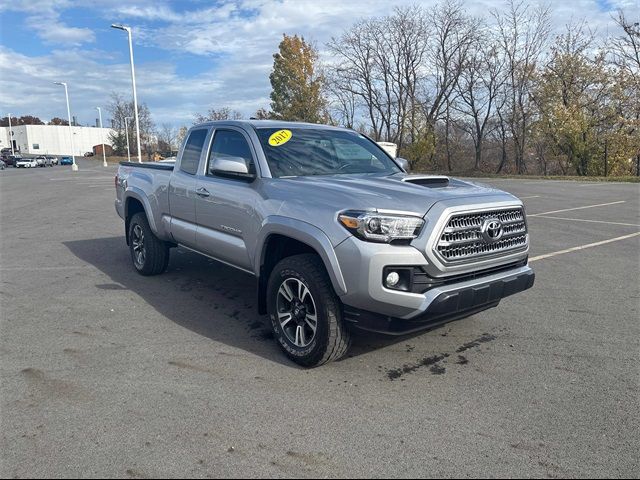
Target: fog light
[392,279]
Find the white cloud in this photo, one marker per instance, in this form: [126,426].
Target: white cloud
[53,31]
[43,18]
[235,38]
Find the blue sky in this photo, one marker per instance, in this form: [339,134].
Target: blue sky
[190,55]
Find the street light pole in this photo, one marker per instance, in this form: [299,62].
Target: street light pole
[126,131]
[74,166]
[104,155]
[11,136]
[133,82]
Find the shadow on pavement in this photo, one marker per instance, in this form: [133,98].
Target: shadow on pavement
[205,296]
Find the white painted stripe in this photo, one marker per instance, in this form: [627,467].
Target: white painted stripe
[600,184]
[582,247]
[530,196]
[592,221]
[36,269]
[80,179]
[577,208]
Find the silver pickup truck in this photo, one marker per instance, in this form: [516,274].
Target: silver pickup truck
[338,235]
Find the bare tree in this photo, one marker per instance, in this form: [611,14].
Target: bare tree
[478,87]
[166,136]
[180,136]
[453,34]
[626,47]
[343,102]
[224,113]
[523,36]
[356,66]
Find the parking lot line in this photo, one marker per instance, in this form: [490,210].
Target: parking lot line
[530,196]
[582,247]
[599,184]
[591,221]
[577,208]
[36,269]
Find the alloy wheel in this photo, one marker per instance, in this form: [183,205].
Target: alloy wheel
[137,242]
[297,312]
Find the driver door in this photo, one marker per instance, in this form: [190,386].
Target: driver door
[225,206]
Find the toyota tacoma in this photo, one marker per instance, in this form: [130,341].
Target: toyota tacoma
[337,233]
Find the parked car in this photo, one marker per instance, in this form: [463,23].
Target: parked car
[12,159]
[43,161]
[88,154]
[338,235]
[2,165]
[66,161]
[54,160]
[26,163]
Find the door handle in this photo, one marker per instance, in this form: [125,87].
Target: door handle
[203,192]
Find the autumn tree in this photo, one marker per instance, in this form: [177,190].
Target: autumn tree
[584,107]
[29,120]
[4,121]
[58,121]
[625,50]
[262,114]
[296,83]
[120,109]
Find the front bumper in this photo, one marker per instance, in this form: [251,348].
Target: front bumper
[447,298]
[448,303]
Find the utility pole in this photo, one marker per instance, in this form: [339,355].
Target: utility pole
[104,154]
[133,83]
[11,136]
[606,143]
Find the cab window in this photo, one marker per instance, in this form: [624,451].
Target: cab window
[192,151]
[230,143]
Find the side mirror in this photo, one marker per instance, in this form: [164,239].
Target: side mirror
[228,166]
[404,164]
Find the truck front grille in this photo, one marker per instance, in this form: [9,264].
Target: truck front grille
[470,236]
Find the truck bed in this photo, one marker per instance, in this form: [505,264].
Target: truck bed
[152,165]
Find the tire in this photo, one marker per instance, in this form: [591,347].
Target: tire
[149,254]
[330,340]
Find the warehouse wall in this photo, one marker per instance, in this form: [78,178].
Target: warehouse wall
[54,139]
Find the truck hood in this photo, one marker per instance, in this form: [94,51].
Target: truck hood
[367,192]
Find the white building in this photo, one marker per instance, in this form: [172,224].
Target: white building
[53,139]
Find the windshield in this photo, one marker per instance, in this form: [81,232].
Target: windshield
[307,151]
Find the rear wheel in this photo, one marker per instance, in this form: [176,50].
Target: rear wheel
[149,254]
[305,312]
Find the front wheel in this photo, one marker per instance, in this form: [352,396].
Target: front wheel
[305,312]
[149,254]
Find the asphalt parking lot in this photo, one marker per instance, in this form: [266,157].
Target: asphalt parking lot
[105,373]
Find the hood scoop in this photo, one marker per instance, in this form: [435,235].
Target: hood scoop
[433,181]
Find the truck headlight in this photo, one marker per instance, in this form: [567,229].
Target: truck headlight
[381,227]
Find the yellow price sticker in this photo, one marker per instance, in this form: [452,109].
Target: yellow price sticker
[280,138]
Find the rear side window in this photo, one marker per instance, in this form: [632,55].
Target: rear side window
[229,143]
[192,151]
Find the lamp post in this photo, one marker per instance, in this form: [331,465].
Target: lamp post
[104,155]
[74,166]
[11,136]
[126,131]
[133,82]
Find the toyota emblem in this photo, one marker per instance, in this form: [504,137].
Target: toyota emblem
[492,230]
